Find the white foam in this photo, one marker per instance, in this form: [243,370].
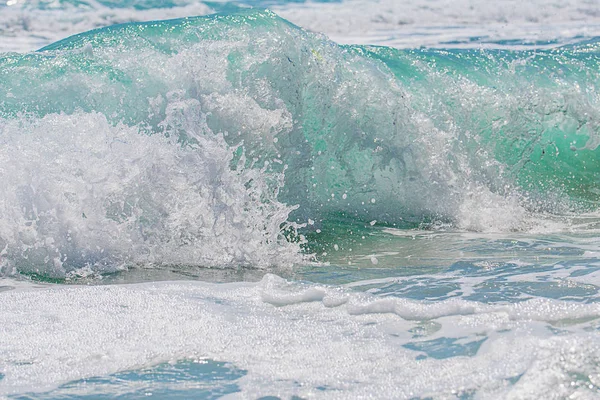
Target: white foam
[84,193]
[28,25]
[448,23]
[303,342]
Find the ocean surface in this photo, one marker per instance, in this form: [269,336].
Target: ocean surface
[294,199]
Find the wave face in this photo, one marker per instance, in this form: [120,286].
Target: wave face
[198,140]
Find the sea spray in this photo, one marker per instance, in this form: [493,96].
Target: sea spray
[86,194]
[252,115]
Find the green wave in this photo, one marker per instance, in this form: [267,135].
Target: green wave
[361,132]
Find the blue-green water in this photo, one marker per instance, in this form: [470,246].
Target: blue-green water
[354,220]
[203,379]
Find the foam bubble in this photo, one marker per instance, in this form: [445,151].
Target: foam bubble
[296,339]
[85,193]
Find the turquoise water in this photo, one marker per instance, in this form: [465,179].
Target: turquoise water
[203,379]
[230,205]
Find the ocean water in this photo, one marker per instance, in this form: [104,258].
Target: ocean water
[289,199]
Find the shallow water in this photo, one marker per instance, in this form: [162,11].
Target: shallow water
[418,314]
[231,206]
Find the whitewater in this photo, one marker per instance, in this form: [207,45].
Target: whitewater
[273,199]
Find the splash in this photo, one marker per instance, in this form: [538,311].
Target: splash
[204,140]
[86,194]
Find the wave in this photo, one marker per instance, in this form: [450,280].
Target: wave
[160,141]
